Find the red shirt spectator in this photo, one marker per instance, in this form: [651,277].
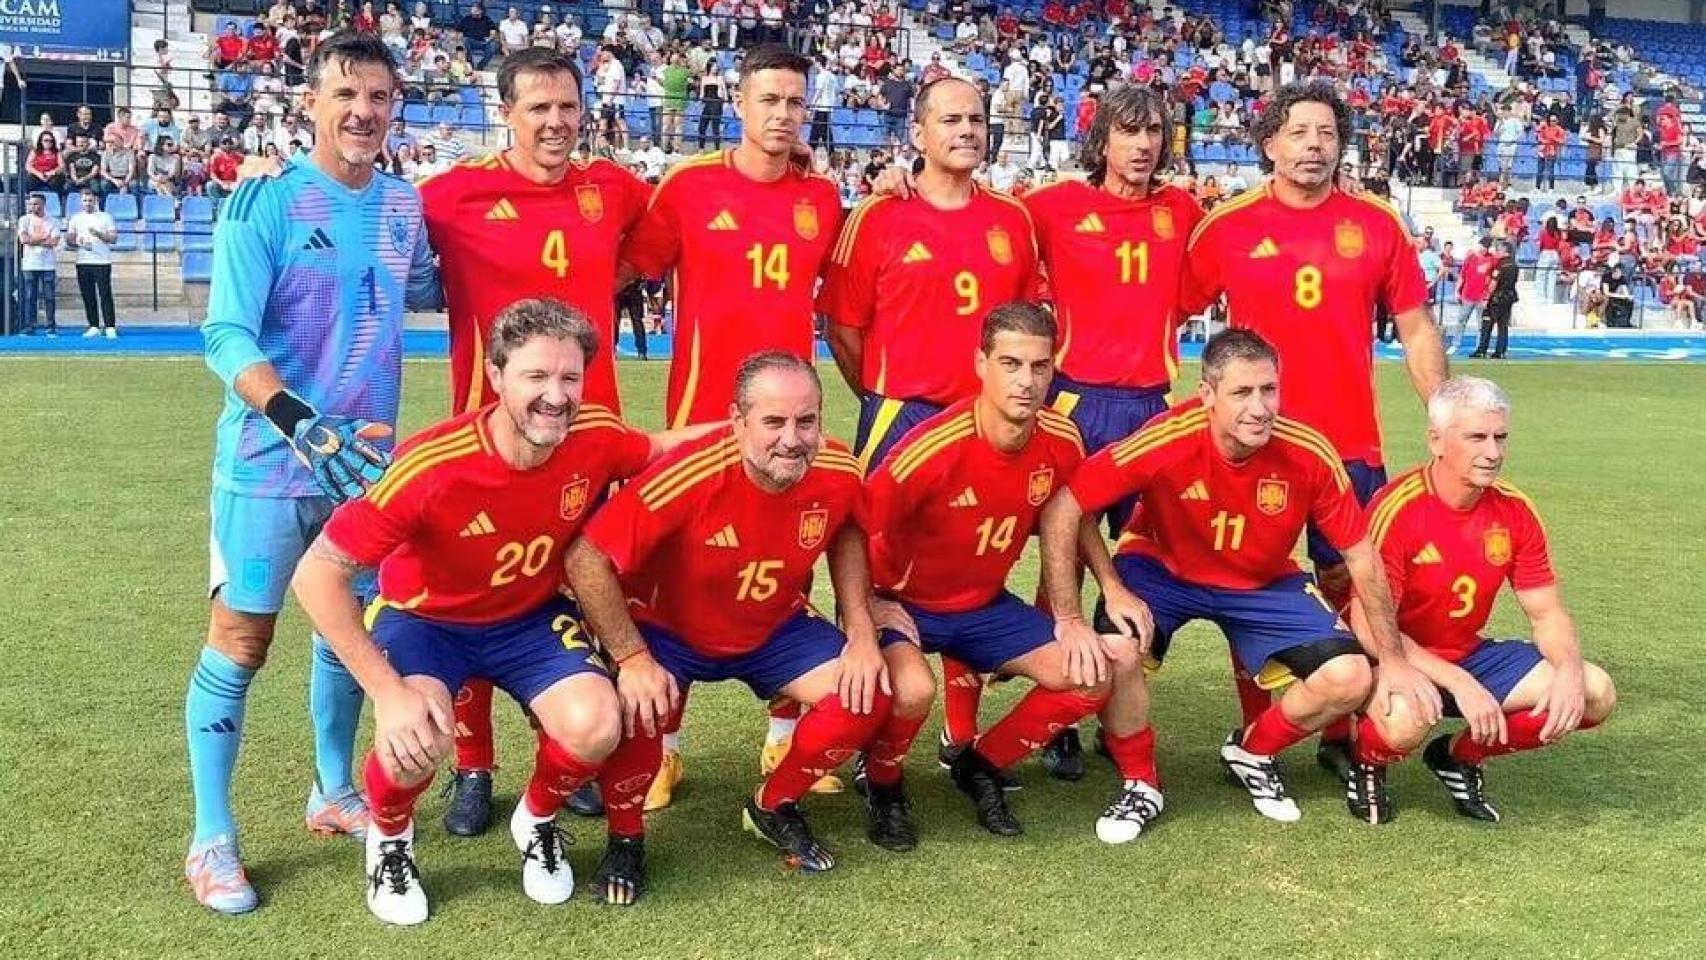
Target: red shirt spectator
[1449,53]
[1086,113]
[263,47]
[1477,275]
[222,166]
[1115,9]
[1007,25]
[1636,199]
[1054,13]
[1552,138]
[1472,133]
[230,48]
[1667,124]
[884,22]
[1439,127]
[1569,259]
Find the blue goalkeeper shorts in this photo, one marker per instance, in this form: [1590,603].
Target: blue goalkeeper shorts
[256,543]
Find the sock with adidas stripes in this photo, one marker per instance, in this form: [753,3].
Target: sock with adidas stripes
[213,721]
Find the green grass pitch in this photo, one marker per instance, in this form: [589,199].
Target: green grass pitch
[103,532]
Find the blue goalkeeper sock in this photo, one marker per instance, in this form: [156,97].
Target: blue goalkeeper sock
[334,703]
[213,719]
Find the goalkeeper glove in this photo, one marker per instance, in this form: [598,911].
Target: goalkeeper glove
[336,449]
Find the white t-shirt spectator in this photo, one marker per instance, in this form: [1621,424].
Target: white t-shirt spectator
[569,35]
[826,91]
[653,159]
[966,32]
[91,250]
[514,32]
[1002,174]
[1017,77]
[612,81]
[449,149]
[35,257]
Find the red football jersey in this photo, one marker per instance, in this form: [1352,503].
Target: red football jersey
[1446,565]
[709,556]
[1114,269]
[500,238]
[1213,522]
[460,535]
[747,256]
[950,513]
[919,281]
[1309,281]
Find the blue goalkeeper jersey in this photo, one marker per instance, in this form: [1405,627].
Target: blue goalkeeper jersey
[313,278]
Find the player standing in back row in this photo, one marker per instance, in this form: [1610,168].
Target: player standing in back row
[526,222]
[311,273]
[1113,246]
[747,233]
[1306,265]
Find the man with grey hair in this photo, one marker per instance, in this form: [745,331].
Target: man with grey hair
[697,572]
[523,471]
[1451,533]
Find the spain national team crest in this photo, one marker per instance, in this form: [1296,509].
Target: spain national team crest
[1271,496]
[805,220]
[813,525]
[1496,546]
[590,202]
[575,496]
[398,228]
[1000,246]
[1348,239]
[1161,221]
[1040,486]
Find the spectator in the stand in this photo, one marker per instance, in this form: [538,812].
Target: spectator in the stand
[514,32]
[91,232]
[1474,285]
[896,94]
[610,79]
[292,58]
[226,48]
[366,20]
[118,168]
[1551,138]
[713,93]
[1501,301]
[420,18]
[476,29]
[82,164]
[262,46]
[83,126]
[1625,137]
[1668,132]
[1620,298]
[1682,300]
[1546,263]
[121,129]
[196,136]
[430,162]
[825,97]
[222,169]
[165,168]
[933,71]
[651,159]
[446,145]
[38,237]
[159,127]
[46,166]
[675,80]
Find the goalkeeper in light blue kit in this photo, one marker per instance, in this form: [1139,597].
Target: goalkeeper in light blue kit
[312,270]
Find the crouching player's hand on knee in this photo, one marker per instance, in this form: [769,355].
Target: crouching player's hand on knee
[412,730]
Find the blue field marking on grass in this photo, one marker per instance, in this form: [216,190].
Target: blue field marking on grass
[187,341]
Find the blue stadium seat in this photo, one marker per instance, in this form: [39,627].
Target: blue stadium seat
[127,238]
[198,266]
[159,237]
[198,236]
[198,210]
[158,209]
[122,207]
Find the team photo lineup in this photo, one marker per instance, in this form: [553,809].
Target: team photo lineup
[1015,363]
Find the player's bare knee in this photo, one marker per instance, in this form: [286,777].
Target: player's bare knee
[588,729]
[914,690]
[1345,681]
[1400,724]
[242,638]
[1600,694]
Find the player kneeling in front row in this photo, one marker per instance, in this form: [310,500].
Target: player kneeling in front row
[1450,534]
[710,552]
[1225,487]
[468,530]
[950,511]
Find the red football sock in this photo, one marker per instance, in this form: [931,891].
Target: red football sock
[1339,731]
[392,806]
[1370,746]
[557,772]
[785,708]
[624,780]
[1033,720]
[828,735]
[474,750]
[1272,733]
[962,693]
[1253,701]
[886,755]
[1134,755]
[1523,733]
